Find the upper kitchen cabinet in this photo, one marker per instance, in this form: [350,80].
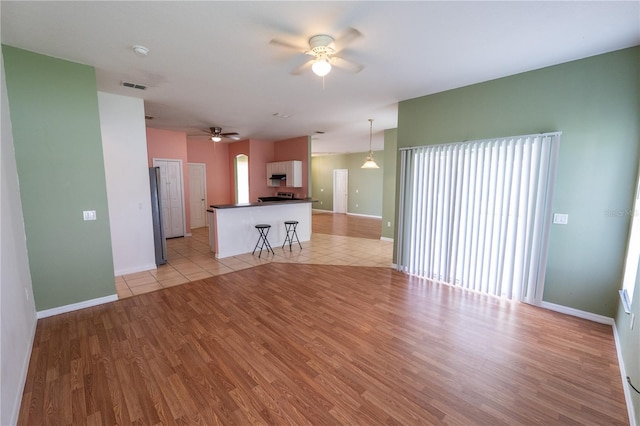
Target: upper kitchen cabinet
[294,173]
[291,171]
[276,172]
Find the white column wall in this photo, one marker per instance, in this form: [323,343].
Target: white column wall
[124,146]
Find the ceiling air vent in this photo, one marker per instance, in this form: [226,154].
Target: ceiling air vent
[134,86]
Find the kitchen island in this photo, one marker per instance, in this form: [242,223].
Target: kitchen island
[232,226]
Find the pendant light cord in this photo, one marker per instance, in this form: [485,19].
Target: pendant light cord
[370,135]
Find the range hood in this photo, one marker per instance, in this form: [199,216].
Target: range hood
[278,177]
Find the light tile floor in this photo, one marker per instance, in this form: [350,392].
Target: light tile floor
[191,259]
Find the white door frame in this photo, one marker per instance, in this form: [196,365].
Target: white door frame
[184,213]
[340,174]
[203,167]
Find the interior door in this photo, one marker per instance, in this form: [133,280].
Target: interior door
[197,194]
[171,196]
[340,190]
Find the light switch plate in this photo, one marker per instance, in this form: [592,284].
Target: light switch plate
[560,218]
[89,214]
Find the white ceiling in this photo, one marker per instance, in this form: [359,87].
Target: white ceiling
[211,63]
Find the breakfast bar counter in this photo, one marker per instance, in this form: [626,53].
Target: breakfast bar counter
[232,226]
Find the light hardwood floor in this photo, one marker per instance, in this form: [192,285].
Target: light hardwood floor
[295,343]
[347,225]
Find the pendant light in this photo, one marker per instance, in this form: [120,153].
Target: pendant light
[370,162]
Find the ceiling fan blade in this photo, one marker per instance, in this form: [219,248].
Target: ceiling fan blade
[348,37]
[302,68]
[229,134]
[346,64]
[288,45]
[234,137]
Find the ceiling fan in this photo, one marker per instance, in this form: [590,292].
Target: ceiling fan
[216,134]
[326,53]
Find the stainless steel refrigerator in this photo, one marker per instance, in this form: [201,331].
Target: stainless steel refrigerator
[159,240]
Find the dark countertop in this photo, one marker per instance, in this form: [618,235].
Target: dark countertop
[261,204]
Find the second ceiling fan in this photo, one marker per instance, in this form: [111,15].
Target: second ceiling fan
[217,135]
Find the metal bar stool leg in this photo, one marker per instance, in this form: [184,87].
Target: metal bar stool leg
[263,231]
[290,229]
[266,241]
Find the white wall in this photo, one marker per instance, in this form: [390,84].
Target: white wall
[17,309]
[124,144]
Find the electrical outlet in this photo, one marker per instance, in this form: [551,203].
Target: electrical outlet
[560,218]
[388,224]
[89,215]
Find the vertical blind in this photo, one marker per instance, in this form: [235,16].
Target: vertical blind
[477,214]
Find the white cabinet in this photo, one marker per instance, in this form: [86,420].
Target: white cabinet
[294,173]
[270,172]
[291,169]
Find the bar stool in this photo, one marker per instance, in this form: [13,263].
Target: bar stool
[263,230]
[290,228]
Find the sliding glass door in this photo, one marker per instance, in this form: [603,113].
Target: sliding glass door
[477,214]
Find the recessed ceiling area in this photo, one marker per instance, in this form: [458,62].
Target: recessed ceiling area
[212,63]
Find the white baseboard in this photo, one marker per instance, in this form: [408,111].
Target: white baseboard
[348,213]
[364,215]
[623,374]
[135,269]
[386,239]
[75,306]
[577,313]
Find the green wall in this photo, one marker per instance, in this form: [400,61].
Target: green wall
[56,130]
[322,179]
[595,103]
[365,185]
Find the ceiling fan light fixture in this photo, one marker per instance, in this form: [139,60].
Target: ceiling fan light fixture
[216,138]
[321,66]
[369,162]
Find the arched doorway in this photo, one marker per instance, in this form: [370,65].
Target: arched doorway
[242,178]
